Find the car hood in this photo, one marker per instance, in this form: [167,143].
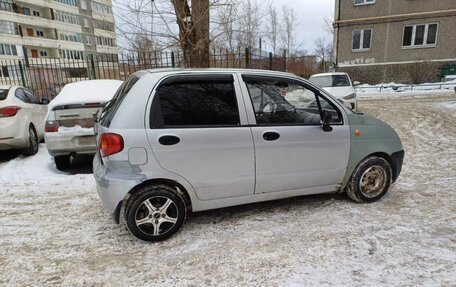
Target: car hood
[340,92]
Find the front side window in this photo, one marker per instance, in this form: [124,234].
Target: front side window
[20,94]
[287,102]
[362,40]
[423,35]
[202,103]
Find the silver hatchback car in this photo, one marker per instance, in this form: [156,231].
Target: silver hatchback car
[174,141]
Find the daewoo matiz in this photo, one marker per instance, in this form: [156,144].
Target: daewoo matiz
[174,141]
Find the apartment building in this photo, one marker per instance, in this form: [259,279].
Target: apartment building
[395,40]
[64,29]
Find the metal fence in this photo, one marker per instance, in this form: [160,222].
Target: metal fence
[407,88]
[45,76]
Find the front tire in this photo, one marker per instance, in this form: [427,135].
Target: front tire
[33,143]
[370,181]
[155,213]
[62,162]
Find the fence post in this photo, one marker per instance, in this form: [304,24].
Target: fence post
[173,63]
[21,69]
[92,63]
[270,61]
[285,60]
[247,58]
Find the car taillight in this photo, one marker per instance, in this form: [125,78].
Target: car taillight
[10,111]
[110,144]
[51,126]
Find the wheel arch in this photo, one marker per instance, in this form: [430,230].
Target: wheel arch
[179,188]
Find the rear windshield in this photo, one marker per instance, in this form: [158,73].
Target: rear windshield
[331,81]
[108,112]
[3,94]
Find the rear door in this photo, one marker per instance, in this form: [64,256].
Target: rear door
[38,112]
[196,131]
[292,150]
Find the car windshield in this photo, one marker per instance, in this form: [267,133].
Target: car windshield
[3,94]
[331,81]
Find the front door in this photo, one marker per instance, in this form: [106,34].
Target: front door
[30,32]
[34,53]
[292,150]
[196,133]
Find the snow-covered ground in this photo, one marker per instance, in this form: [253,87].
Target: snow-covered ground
[53,229]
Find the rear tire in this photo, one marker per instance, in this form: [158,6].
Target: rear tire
[155,213]
[33,143]
[370,180]
[62,162]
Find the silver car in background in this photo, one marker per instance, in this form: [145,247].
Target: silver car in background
[70,119]
[174,141]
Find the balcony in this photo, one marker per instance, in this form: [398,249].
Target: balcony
[35,21]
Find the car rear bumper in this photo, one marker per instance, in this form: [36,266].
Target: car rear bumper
[111,187]
[397,158]
[65,143]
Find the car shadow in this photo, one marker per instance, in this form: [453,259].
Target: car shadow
[80,164]
[7,155]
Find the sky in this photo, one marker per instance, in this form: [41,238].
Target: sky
[310,19]
[310,15]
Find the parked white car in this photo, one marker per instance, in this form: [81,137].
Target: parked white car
[339,85]
[21,119]
[70,120]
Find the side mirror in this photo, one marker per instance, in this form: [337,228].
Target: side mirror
[45,101]
[327,118]
[356,83]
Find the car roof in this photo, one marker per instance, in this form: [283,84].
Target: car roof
[329,74]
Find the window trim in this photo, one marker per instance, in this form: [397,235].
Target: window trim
[365,2]
[156,120]
[426,31]
[316,92]
[361,41]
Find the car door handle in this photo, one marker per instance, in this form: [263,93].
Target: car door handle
[168,140]
[271,136]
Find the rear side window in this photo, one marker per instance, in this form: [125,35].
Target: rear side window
[3,94]
[205,103]
[31,97]
[20,94]
[111,107]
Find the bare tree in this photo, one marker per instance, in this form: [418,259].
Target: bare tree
[249,22]
[323,51]
[288,29]
[273,27]
[223,35]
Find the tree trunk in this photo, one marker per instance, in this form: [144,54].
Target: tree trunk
[193,31]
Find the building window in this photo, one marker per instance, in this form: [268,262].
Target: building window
[86,23]
[88,40]
[101,8]
[6,49]
[68,2]
[364,2]
[26,11]
[43,54]
[66,17]
[39,33]
[71,55]
[8,28]
[83,4]
[362,40]
[422,35]
[36,13]
[103,41]
[103,25]
[69,36]
[6,5]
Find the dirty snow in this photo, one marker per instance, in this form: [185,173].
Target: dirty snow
[448,105]
[93,91]
[401,88]
[77,129]
[54,230]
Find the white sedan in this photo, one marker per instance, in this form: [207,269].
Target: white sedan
[339,85]
[21,119]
